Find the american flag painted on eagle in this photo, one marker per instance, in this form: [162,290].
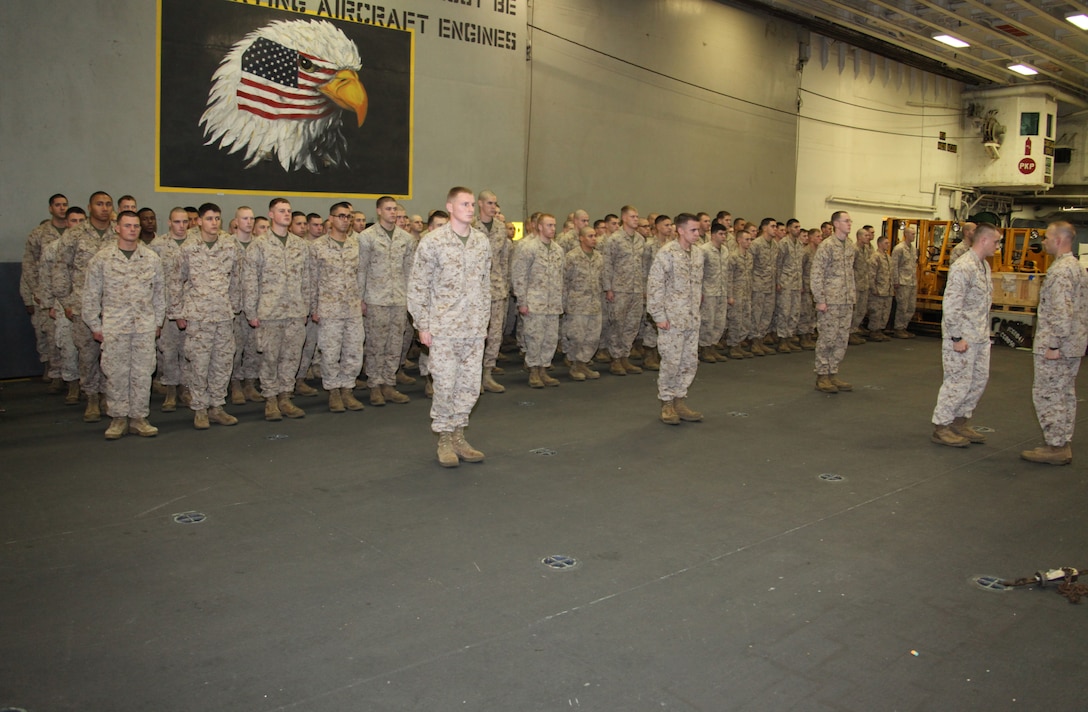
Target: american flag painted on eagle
[279,92]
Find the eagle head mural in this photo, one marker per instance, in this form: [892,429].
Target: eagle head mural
[281,93]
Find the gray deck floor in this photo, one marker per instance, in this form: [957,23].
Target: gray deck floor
[340,568]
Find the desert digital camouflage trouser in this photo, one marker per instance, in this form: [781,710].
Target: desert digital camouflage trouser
[341,343]
[624,315]
[128,360]
[68,358]
[834,325]
[762,312]
[309,350]
[879,310]
[453,365]
[209,356]
[860,307]
[647,331]
[171,354]
[384,337]
[279,342]
[965,377]
[787,312]
[679,349]
[906,299]
[495,329]
[541,336]
[713,313]
[247,362]
[1055,396]
[90,370]
[740,321]
[806,322]
[44,336]
[581,333]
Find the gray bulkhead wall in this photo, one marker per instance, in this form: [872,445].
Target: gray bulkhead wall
[670,106]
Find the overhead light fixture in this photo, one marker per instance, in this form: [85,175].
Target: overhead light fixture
[1079,19]
[951,41]
[1022,69]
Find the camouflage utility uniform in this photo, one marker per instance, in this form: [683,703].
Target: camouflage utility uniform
[581,304]
[833,285]
[206,291]
[673,291]
[338,287]
[449,296]
[384,263]
[279,294]
[1062,324]
[965,314]
[537,278]
[123,299]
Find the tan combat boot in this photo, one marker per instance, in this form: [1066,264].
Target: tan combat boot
[795,343]
[217,415]
[546,379]
[686,413]
[288,408]
[376,397]
[735,353]
[783,347]
[589,373]
[249,387]
[465,451]
[807,343]
[272,410]
[404,379]
[489,384]
[92,414]
[302,388]
[855,340]
[576,372]
[824,384]
[349,400]
[628,366]
[141,427]
[1049,454]
[652,360]
[56,385]
[616,368]
[706,356]
[73,394]
[237,395]
[392,395]
[184,396]
[200,419]
[118,428]
[535,380]
[170,401]
[961,428]
[447,457]
[902,334]
[839,383]
[428,387]
[746,349]
[668,413]
[944,435]
[336,401]
[157,387]
[602,356]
